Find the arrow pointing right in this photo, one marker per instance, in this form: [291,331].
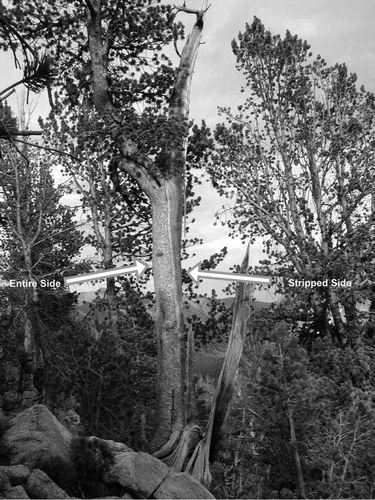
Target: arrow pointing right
[138,268]
[195,274]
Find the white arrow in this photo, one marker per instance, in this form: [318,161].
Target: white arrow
[138,268]
[195,274]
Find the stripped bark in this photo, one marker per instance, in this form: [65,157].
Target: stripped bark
[207,449]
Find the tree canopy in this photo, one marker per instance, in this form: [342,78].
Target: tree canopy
[299,154]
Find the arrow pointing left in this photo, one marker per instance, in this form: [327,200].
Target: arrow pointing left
[195,274]
[137,268]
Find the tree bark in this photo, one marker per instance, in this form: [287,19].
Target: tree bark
[165,191]
[169,321]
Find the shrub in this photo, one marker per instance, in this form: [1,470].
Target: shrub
[91,457]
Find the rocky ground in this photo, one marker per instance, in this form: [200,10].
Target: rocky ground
[36,442]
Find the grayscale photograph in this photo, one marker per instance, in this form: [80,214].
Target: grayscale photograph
[187,249]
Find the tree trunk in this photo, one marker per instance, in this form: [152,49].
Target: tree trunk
[32,349]
[169,321]
[165,189]
[111,293]
[229,371]
[297,460]
[208,448]
[337,319]
[95,194]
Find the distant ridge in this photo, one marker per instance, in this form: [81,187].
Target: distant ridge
[257,304]
[89,296]
[200,306]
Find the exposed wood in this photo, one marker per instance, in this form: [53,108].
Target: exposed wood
[229,371]
[199,465]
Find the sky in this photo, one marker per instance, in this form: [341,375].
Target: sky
[339,30]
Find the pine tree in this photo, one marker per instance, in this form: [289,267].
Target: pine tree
[39,244]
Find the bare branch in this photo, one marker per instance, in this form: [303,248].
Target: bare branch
[47,148]
[6,95]
[198,13]
[10,32]
[175,37]
[23,133]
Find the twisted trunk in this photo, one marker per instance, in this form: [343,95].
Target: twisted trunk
[198,466]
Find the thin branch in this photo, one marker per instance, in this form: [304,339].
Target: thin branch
[6,95]
[22,133]
[12,86]
[47,148]
[10,30]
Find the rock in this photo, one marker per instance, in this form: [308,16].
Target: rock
[112,446]
[138,473]
[17,474]
[37,438]
[181,485]
[16,492]
[127,496]
[4,481]
[39,485]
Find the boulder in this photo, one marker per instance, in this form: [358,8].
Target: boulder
[112,446]
[139,473]
[16,492]
[4,481]
[37,438]
[17,474]
[39,485]
[181,485]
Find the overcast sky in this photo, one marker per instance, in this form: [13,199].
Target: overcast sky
[339,30]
